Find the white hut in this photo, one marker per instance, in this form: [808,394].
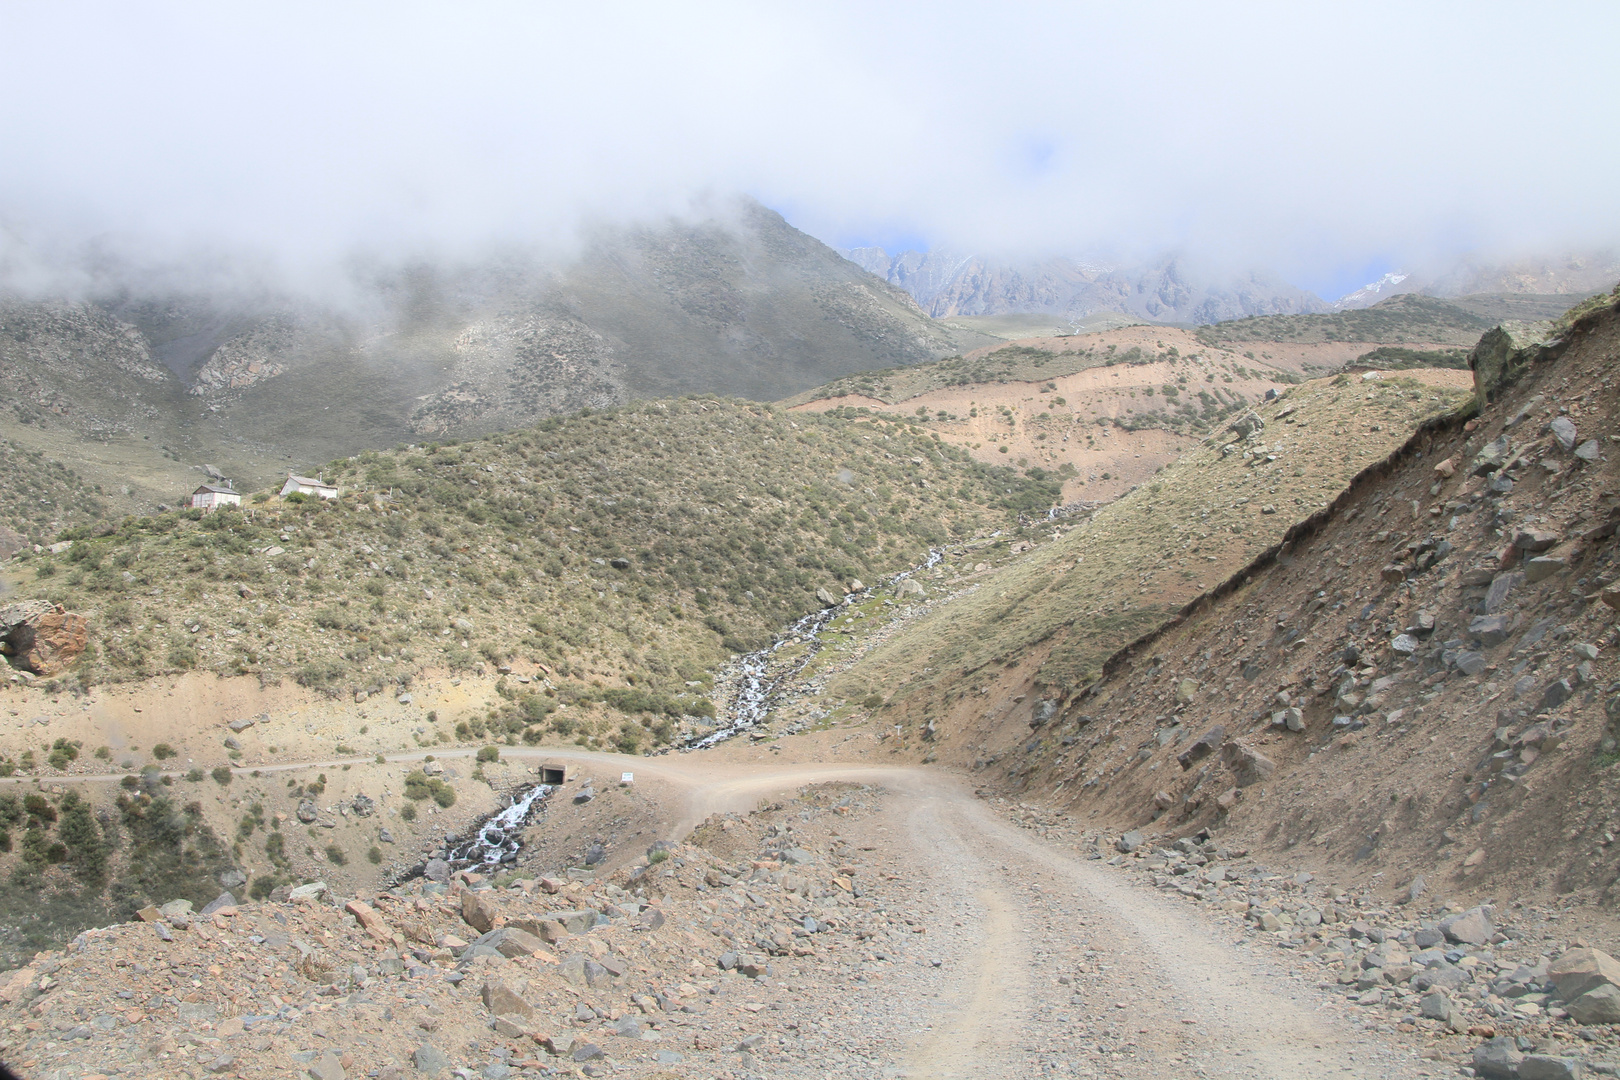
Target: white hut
[209,498]
[303,485]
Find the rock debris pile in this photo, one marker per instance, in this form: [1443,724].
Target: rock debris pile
[679,965]
[1457,975]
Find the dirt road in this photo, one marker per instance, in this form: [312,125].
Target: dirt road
[1048,962]
[1025,957]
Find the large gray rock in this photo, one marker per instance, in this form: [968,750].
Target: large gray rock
[504,999]
[1543,567]
[1505,352]
[1580,970]
[1491,457]
[1248,766]
[1442,975]
[1436,1005]
[223,900]
[327,1067]
[1491,630]
[1129,842]
[1206,744]
[1556,694]
[575,922]
[1546,1067]
[1498,1059]
[429,1059]
[583,971]
[1599,1005]
[1534,539]
[1472,927]
[1502,585]
[1563,430]
[509,941]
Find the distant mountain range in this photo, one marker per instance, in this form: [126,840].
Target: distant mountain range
[1171,290]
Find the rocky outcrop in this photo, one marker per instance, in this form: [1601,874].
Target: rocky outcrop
[1504,353]
[41,637]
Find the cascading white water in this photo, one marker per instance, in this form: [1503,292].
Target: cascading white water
[497,840]
[758,691]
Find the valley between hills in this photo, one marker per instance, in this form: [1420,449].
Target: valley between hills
[1227,700]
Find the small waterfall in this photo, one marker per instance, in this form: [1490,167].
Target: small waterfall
[498,838]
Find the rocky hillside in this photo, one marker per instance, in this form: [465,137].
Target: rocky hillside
[671,958]
[141,391]
[39,498]
[1057,615]
[1410,686]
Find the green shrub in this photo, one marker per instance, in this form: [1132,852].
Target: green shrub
[408,812]
[222,775]
[419,785]
[489,753]
[375,855]
[335,856]
[163,751]
[63,753]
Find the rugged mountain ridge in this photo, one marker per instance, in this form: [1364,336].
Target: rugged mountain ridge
[950,283]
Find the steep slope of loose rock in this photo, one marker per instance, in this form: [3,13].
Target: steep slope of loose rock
[1417,684]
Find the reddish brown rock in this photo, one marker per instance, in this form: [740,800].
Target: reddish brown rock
[47,642]
[478,911]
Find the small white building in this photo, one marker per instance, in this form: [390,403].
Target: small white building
[209,498]
[303,485]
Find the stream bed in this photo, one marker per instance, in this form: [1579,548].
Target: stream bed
[759,690]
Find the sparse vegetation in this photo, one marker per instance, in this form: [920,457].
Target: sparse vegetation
[650,563]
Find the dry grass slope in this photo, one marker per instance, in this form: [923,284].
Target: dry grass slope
[1137,562]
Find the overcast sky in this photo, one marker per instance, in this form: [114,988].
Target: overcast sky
[1323,141]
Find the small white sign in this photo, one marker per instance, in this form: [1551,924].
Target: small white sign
[627,778]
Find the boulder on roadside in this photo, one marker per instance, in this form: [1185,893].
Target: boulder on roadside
[1436,1005]
[510,942]
[1548,1067]
[1599,1005]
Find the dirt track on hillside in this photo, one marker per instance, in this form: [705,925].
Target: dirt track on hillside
[1150,987]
